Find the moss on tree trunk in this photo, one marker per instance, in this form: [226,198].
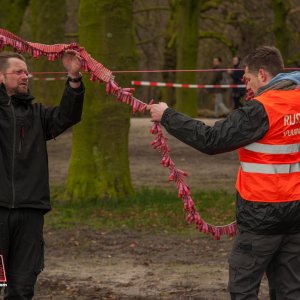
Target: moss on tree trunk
[99,163]
[187,48]
[280,26]
[168,93]
[11,14]
[47,20]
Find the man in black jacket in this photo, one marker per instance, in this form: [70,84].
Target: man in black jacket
[237,78]
[24,179]
[266,130]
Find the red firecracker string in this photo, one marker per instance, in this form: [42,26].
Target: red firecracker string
[99,73]
[178,176]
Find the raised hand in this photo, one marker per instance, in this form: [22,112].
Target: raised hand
[72,62]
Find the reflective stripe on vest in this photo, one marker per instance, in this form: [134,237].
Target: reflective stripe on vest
[270,168]
[273,149]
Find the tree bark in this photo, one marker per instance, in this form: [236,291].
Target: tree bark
[99,163]
[11,14]
[280,27]
[47,26]
[168,94]
[187,48]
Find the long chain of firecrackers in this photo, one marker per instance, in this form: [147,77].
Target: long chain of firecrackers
[99,73]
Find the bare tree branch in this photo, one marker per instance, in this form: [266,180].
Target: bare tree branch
[142,10]
[220,37]
[211,4]
[294,10]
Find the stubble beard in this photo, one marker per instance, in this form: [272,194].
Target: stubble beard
[21,89]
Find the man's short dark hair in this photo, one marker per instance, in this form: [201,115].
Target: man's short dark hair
[266,57]
[5,56]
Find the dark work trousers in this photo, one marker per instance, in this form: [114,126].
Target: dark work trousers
[21,244]
[253,255]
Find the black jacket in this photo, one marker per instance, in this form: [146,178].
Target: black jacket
[24,130]
[242,127]
[237,78]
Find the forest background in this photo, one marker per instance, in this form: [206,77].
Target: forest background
[108,181]
[128,35]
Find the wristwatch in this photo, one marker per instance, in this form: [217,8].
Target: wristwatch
[77,79]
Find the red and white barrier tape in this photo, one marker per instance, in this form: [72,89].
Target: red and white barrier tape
[185,85]
[48,78]
[160,84]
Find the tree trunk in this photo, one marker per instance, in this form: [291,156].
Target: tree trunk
[11,14]
[99,163]
[187,48]
[280,27]
[168,94]
[47,24]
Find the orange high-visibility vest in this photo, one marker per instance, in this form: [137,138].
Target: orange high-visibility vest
[270,168]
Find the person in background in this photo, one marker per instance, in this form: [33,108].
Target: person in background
[220,108]
[266,132]
[237,78]
[24,180]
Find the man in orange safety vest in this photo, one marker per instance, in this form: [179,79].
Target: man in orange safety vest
[266,132]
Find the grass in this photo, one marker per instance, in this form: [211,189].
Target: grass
[148,209]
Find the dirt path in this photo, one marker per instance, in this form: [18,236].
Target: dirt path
[85,264]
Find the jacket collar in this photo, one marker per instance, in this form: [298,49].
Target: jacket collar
[282,81]
[18,98]
[279,85]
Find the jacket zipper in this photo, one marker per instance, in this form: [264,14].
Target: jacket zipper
[13,153]
[21,136]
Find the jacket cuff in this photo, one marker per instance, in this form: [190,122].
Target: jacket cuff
[78,90]
[165,117]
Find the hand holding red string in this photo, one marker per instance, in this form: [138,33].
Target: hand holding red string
[157,110]
[72,62]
